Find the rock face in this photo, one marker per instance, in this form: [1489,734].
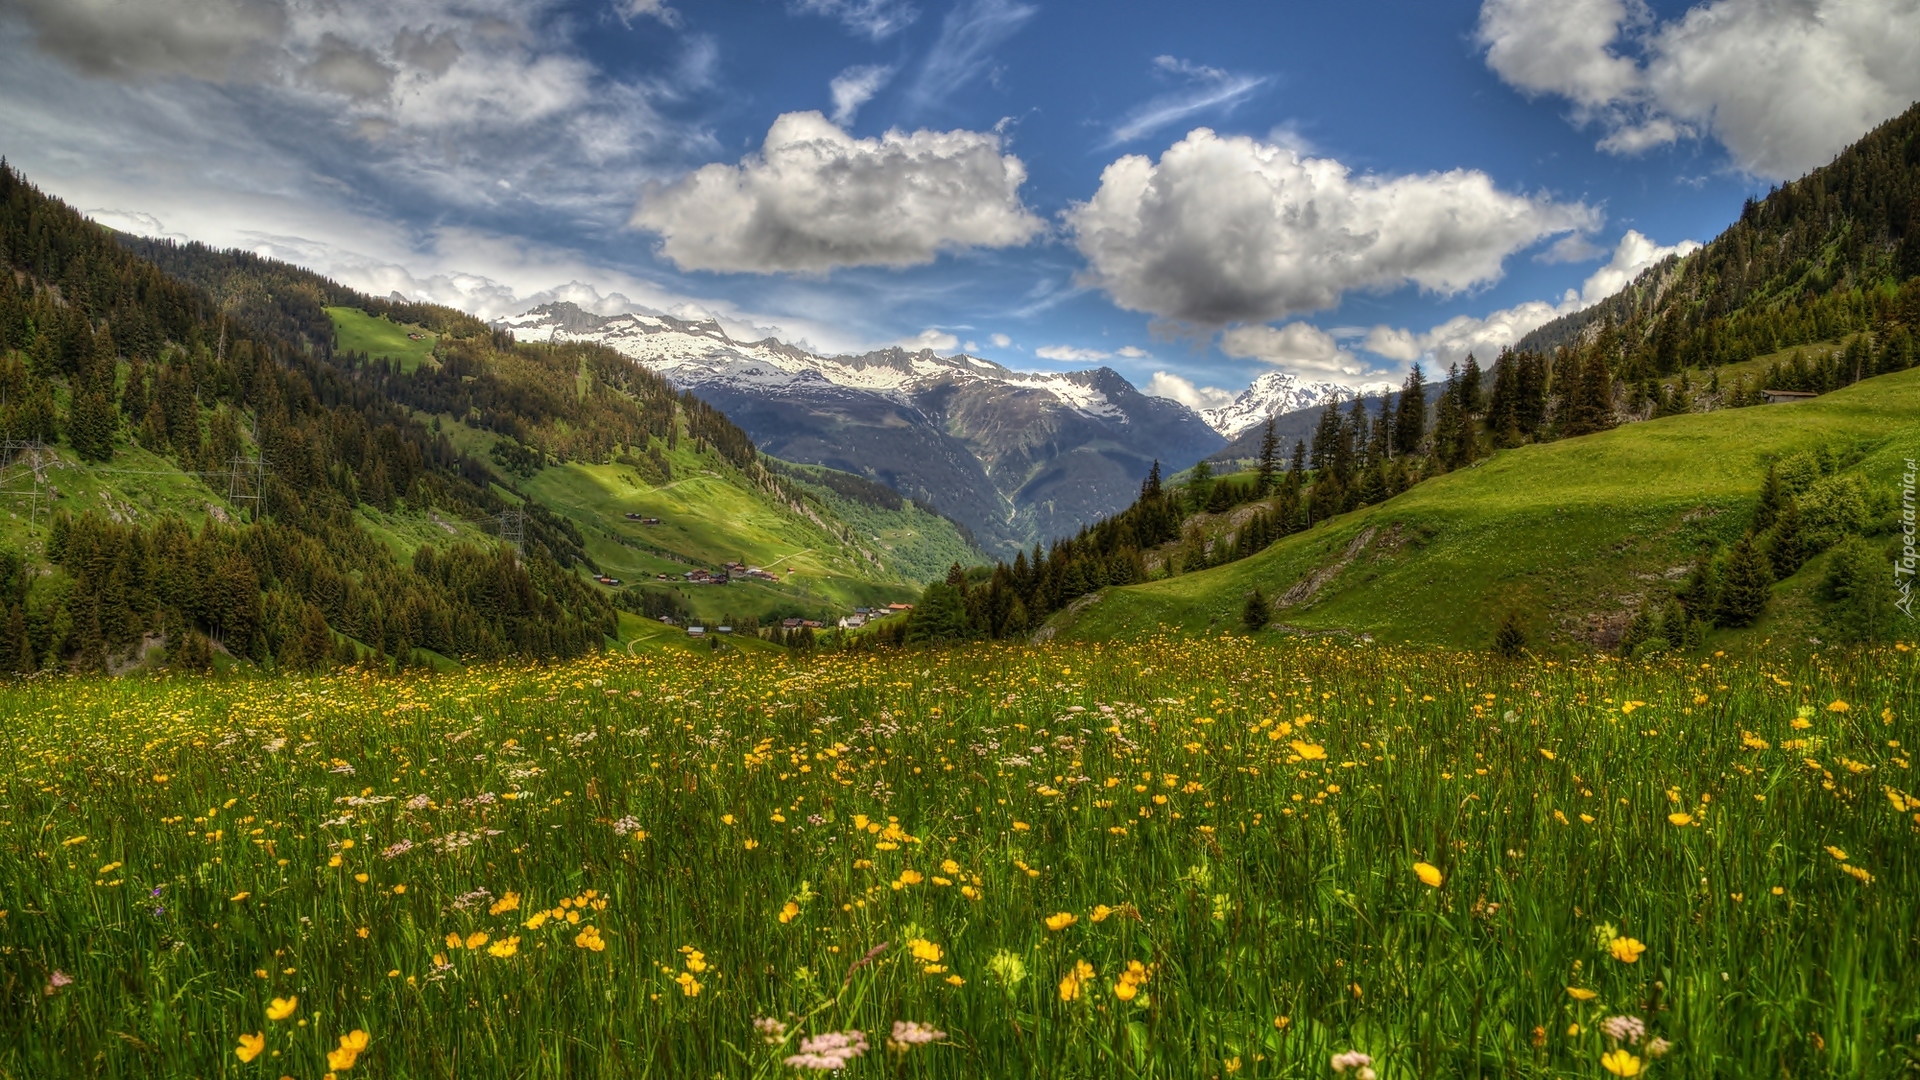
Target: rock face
[1018,457]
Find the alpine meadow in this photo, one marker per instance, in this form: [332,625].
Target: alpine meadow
[605,539]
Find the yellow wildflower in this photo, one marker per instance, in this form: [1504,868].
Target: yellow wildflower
[504,948]
[281,1008]
[1680,818]
[1071,982]
[1061,920]
[250,1046]
[1620,1063]
[1626,950]
[351,1045]
[1428,874]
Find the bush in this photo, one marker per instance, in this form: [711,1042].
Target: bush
[1858,593]
[1258,612]
[1511,639]
[1832,508]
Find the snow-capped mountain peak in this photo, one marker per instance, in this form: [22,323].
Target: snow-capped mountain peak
[700,353]
[1275,393]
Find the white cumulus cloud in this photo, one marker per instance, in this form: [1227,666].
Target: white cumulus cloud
[1000,341]
[1783,84]
[1070,354]
[1297,347]
[931,338]
[1451,341]
[1228,229]
[815,198]
[1167,385]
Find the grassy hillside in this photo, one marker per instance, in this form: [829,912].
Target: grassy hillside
[908,536]
[710,513]
[1571,534]
[380,338]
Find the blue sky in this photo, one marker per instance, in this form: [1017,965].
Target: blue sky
[1374,171]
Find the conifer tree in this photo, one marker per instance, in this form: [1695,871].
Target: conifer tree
[1743,596]
[1786,542]
[1258,612]
[1470,386]
[1269,462]
[1410,425]
[1771,498]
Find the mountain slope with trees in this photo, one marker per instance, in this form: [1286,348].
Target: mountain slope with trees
[192,468]
[1661,532]
[1813,290]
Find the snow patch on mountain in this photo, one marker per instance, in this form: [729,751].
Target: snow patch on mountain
[700,353]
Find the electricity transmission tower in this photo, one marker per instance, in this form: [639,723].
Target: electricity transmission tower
[247,483]
[513,528]
[23,473]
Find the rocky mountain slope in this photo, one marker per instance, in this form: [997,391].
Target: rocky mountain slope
[1018,457]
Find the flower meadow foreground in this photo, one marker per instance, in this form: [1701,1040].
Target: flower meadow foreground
[1175,858]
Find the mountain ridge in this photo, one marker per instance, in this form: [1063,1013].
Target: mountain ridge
[1018,457]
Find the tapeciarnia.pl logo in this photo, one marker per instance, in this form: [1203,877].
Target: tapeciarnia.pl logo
[1903,567]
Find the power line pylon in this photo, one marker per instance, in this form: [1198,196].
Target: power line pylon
[247,483]
[513,528]
[23,473]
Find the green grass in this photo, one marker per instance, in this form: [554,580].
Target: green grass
[355,331]
[712,514]
[1564,532]
[920,545]
[1243,821]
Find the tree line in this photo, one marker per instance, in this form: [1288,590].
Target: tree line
[103,352]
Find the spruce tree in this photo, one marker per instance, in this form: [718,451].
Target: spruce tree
[1410,426]
[1470,386]
[1743,596]
[1701,591]
[1269,462]
[1771,497]
[1258,612]
[1786,544]
[1200,486]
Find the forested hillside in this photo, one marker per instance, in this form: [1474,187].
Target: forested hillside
[193,472]
[1814,289]
[1815,260]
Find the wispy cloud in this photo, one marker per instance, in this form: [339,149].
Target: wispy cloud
[855,87]
[964,50]
[876,19]
[1203,88]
